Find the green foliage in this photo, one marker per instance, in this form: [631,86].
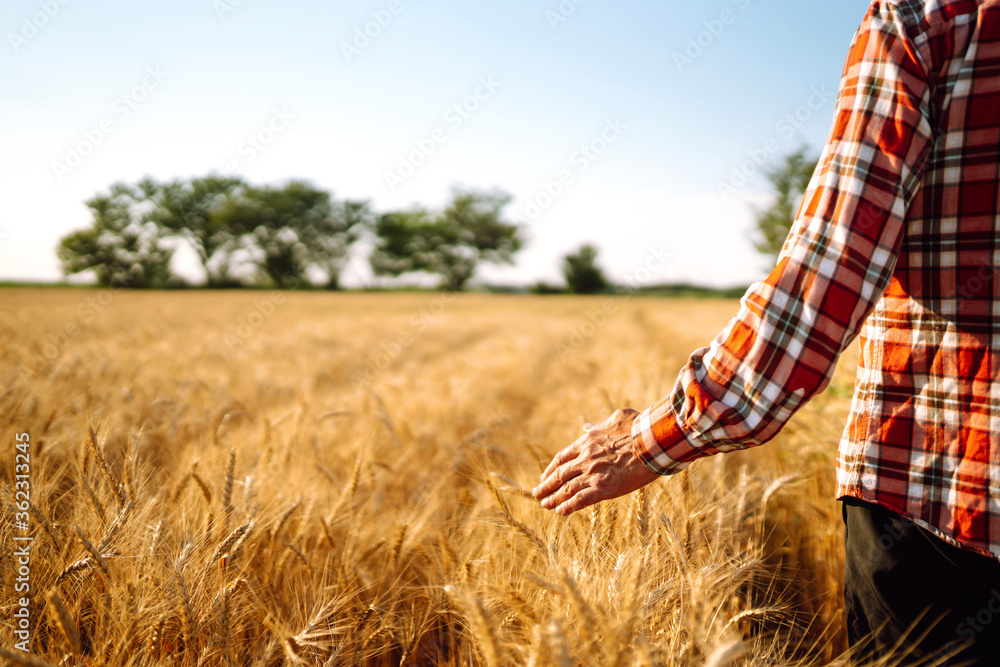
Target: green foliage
[690,291]
[195,210]
[291,228]
[281,232]
[543,288]
[450,243]
[123,247]
[790,181]
[581,272]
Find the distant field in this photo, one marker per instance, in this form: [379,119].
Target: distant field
[322,478]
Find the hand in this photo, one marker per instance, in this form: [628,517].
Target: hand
[601,465]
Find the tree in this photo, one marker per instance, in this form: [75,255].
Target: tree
[333,247]
[581,272]
[790,182]
[123,247]
[295,227]
[450,243]
[195,210]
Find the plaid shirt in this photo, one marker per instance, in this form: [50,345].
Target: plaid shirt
[896,240]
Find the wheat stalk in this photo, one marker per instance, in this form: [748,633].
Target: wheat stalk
[95,501]
[326,473]
[292,649]
[760,612]
[225,602]
[363,617]
[511,485]
[349,490]
[131,462]
[20,658]
[584,610]
[113,481]
[397,544]
[641,509]
[156,637]
[157,534]
[64,621]
[230,546]
[519,605]
[131,613]
[508,516]
[480,622]
[298,552]
[284,518]
[776,485]
[182,557]
[557,639]
[180,486]
[73,568]
[205,491]
[116,526]
[726,654]
[95,554]
[227,491]
[188,626]
[327,533]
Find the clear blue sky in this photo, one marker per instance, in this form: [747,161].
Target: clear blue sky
[177,89]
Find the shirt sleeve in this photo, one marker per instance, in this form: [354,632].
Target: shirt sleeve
[782,346]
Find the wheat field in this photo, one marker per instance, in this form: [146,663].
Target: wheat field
[254,478]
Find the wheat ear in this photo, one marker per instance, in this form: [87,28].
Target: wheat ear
[116,485]
[65,622]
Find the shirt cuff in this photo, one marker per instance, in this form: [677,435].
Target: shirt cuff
[660,443]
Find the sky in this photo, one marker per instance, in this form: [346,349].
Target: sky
[642,127]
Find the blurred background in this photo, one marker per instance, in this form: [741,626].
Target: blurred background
[643,128]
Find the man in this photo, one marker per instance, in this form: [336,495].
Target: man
[896,239]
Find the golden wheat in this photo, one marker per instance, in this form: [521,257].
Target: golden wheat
[363,465]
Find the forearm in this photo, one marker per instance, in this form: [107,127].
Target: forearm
[782,346]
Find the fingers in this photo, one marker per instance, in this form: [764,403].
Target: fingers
[565,466]
[555,481]
[562,457]
[585,498]
[569,482]
[565,492]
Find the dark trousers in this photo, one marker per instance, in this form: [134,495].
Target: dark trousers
[908,592]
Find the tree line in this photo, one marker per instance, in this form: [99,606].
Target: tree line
[296,235]
[281,236]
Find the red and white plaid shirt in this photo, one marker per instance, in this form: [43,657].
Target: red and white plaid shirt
[896,240]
